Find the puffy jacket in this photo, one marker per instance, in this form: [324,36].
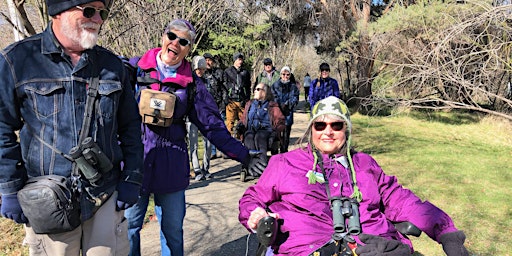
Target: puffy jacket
[322,88]
[166,161]
[287,96]
[305,210]
[274,113]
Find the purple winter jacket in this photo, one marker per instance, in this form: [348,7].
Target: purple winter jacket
[305,208]
[166,160]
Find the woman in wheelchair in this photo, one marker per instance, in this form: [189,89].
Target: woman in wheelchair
[331,200]
[261,121]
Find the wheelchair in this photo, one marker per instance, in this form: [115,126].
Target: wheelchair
[272,146]
[268,228]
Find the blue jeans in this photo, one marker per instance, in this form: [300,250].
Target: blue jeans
[170,211]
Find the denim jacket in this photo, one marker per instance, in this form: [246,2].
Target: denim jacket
[42,93]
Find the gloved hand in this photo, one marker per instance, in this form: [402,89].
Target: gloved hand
[128,195]
[376,245]
[257,164]
[453,243]
[240,128]
[11,209]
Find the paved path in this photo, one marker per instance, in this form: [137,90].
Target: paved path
[211,224]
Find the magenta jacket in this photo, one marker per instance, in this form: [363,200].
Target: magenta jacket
[305,209]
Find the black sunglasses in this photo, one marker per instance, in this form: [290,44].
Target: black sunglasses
[90,11]
[335,126]
[325,70]
[182,41]
[258,89]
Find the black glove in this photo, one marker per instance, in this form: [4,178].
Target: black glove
[128,195]
[379,246]
[240,128]
[257,163]
[453,243]
[11,209]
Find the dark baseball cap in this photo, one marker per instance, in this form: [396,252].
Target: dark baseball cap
[267,61]
[208,56]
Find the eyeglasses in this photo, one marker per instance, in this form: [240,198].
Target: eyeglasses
[258,89]
[285,74]
[335,126]
[90,11]
[182,41]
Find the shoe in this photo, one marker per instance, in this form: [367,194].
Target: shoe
[199,177]
[208,175]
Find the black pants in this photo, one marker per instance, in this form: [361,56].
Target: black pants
[257,140]
[286,139]
[306,93]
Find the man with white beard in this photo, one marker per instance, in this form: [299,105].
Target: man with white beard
[59,89]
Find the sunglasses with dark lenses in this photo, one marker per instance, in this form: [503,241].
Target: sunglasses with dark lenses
[326,70]
[182,41]
[335,126]
[285,74]
[90,11]
[258,89]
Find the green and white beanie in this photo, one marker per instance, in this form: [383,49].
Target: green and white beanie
[331,106]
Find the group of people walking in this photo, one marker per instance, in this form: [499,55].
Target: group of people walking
[59,89]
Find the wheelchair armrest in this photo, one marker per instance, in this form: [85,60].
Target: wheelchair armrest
[267,231]
[407,228]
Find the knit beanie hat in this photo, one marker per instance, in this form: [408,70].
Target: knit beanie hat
[57,6]
[331,106]
[198,62]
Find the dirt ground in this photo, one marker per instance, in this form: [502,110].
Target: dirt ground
[211,223]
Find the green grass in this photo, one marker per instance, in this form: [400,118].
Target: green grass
[460,162]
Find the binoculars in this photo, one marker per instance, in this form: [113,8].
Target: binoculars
[89,158]
[345,215]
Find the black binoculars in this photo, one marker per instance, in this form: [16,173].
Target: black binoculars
[345,215]
[89,158]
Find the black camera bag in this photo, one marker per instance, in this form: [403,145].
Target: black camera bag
[49,204]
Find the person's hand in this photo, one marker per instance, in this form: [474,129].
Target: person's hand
[257,164]
[11,209]
[379,246]
[256,215]
[128,195]
[453,243]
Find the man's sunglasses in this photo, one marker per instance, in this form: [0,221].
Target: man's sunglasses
[326,70]
[90,11]
[182,41]
[335,126]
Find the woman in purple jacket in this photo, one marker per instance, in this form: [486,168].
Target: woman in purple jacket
[299,188]
[166,162]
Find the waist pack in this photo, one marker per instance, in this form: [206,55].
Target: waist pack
[49,204]
[156,107]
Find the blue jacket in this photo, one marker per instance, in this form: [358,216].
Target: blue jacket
[287,96]
[166,161]
[322,88]
[42,93]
